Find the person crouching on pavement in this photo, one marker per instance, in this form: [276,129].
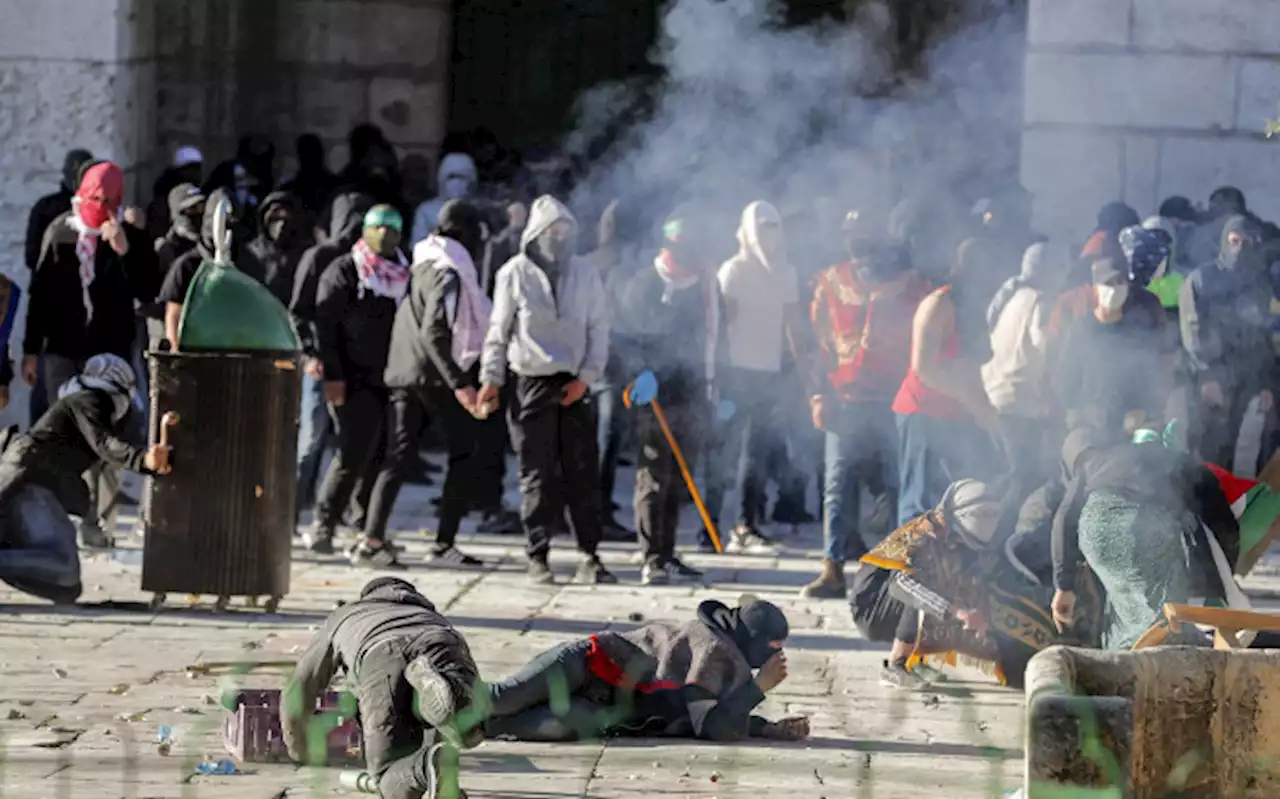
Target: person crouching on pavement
[41,476]
[434,368]
[700,680]
[550,325]
[411,673]
[678,313]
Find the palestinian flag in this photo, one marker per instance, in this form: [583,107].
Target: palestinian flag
[1257,508]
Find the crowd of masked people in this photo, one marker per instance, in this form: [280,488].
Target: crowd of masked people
[884,355]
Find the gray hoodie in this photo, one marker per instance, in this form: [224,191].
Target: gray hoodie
[536,331]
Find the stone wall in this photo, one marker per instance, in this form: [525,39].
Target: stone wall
[1142,99]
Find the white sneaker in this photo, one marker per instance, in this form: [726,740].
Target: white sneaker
[748,541]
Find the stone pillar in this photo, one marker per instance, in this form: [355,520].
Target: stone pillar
[1142,99]
[73,74]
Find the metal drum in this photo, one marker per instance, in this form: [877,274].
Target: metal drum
[222,522]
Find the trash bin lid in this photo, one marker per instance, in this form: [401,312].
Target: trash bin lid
[227,310]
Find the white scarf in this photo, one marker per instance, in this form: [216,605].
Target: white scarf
[87,240]
[471,318]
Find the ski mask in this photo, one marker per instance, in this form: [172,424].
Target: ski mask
[1238,238]
[382,226]
[99,195]
[556,243]
[71,166]
[754,626]
[464,223]
[1111,283]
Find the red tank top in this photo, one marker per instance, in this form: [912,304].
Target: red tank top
[915,397]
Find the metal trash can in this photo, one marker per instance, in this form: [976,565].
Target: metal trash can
[222,522]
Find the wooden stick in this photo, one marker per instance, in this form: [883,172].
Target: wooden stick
[209,668]
[688,478]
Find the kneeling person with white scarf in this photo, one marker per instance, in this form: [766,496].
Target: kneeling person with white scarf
[41,477]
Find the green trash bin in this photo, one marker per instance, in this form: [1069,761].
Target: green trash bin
[222,522]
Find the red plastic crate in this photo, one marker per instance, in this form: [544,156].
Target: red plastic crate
[252,732]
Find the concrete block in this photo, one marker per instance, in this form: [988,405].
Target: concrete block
[1141,172]
[69,30]
[1237,26]
[1259,94]
[1079,22]
[1194,167]
[408,110]
[365,34]
[1072,174]
[1148,91]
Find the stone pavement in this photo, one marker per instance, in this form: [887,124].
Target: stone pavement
[84,690]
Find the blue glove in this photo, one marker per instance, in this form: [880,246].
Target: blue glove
[725,410]
[645,388]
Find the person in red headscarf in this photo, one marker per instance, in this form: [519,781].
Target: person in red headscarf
[93,267]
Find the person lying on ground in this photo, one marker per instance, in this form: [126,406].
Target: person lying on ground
[42,476]
[701,680]
[413,677]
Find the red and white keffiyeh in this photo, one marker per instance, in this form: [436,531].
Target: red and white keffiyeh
[383,276]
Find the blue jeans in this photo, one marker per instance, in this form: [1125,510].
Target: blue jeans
[933,454]
[751,435]
[861,451]
[315,435]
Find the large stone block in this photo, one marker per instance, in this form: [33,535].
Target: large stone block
[325,106]
[1144,91]
[1194,167]
[61,29]
[53,106]
[1079,22]
[407,110]
[1141,173]
[1259,93]
[1225,26]
[365,34]
[1072,174]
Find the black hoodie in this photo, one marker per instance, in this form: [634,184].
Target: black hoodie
[184,270]
[280,257]
[1225,315]
[345,227]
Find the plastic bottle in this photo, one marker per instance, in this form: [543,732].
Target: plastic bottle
[361,781]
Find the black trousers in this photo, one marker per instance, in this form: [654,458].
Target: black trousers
[559,466]
[475,458]
[397,744]
[660,488]
[358,457]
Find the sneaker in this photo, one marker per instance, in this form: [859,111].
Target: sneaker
[92,536]
[748,541]
[450,556]
[320,543]
[654,573]
[929,674]
[614,531]
[435,704]
[592,572]
[705,547]
[896,675]
[679,572]
[369,557]
[540,573]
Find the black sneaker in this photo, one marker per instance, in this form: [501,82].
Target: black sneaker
[654,573]
[681,572]
[592,572]
[368,557]
[540,573]
[499,521]
[615,531]
[92,536]
[450,556]
[319,542]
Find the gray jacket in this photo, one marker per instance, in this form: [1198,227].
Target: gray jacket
[536,331]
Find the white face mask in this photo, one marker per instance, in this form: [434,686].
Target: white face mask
[1111,298]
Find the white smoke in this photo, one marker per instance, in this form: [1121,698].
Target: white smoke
[750,109]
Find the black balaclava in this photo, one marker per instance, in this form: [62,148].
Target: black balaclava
[1229,259]
[1227,201]
[1115,217]
[379,583]
[464,223]
[753,626]
[71,168]
[1179,208]
[310,151]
